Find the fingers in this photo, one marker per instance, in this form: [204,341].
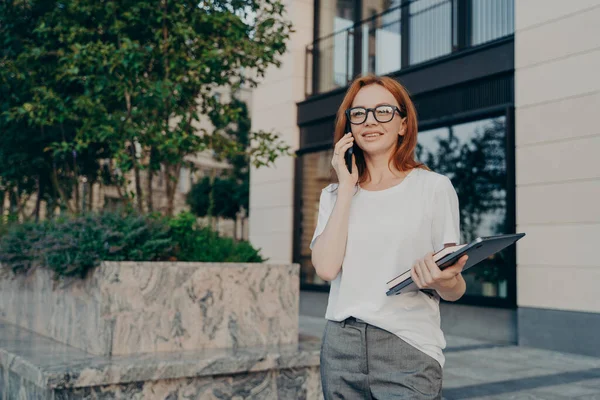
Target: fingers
[432,268]
[415,277]
[453,271]
[347,138]
[354,168]
[346,142]
[338,156]
[345,147]
[456,268]
[424,273]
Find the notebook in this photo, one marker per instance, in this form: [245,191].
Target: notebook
[478,250]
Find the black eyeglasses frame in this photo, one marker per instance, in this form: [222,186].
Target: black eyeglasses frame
[395,108]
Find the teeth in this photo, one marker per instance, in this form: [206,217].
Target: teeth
[372,135]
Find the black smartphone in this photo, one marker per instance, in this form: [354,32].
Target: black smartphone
[348,154]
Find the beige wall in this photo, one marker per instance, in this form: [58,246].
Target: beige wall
[557,95]
[274,108]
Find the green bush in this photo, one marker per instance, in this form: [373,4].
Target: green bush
[73,246]
[6,221]
[196,243]
[18,245]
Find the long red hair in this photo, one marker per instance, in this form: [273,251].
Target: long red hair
[403,156]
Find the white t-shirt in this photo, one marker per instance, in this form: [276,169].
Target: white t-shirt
[388,231]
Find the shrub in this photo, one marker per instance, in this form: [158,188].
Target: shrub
[18,245]
[197,243]
[73,246]
[6,221]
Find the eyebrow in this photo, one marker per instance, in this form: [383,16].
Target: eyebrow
[376,105]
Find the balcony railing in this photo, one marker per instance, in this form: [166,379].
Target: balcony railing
[413,33]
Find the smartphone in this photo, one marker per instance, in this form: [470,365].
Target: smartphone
[348,154]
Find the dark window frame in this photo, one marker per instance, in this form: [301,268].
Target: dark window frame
[460,26]
[507,111]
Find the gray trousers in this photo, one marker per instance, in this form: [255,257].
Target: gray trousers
[361,361]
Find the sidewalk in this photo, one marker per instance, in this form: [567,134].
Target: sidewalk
[483,370]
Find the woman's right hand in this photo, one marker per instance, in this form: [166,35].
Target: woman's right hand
[345,179]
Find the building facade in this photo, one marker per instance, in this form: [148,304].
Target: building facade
[505,92]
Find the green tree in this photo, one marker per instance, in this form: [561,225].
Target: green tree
[36,112]
[215,197]
[227,195]
[237,156]
[119,86]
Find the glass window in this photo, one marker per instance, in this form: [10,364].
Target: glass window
[430,29]
[316,174]
[435,29]
[473,156]
[336,44]
[491,20]
[375,7]
[381,36]
[335,15]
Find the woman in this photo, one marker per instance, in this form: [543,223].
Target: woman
[390,214]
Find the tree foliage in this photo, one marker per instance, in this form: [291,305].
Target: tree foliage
[225,195]
[98,89]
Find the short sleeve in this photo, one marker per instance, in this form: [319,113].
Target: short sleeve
[326,204]
[446,217]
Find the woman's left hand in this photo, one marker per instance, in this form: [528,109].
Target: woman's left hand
[427,275]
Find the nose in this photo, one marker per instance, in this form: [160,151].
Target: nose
[370,118]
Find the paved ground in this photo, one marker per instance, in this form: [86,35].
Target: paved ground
[483,370]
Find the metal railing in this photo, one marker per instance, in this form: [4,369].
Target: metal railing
[413,33]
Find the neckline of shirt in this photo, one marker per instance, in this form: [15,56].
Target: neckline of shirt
[388,190]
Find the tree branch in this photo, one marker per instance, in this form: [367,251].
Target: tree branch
[61,194]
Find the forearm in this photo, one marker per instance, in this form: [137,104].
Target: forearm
[455,290]
[329,249]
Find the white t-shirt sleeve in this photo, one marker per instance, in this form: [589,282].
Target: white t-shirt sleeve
[326,204]
[446,217]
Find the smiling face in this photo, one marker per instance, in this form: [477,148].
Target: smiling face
[374,137]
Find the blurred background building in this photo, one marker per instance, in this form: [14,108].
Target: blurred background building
[507,92]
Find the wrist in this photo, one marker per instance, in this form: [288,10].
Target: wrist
[346,189]
[448,284]
[455,291]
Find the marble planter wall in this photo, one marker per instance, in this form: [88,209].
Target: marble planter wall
[33,367]
[285,384]
[129,307]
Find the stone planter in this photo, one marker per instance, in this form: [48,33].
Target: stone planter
[156,331]
[145,307]
[33,367]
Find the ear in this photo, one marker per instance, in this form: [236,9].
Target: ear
[402,127]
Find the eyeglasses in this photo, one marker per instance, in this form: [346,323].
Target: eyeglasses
[383,113]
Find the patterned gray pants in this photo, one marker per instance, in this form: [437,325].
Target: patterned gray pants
[361,361]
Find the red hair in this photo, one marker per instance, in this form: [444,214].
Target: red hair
[403,156]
